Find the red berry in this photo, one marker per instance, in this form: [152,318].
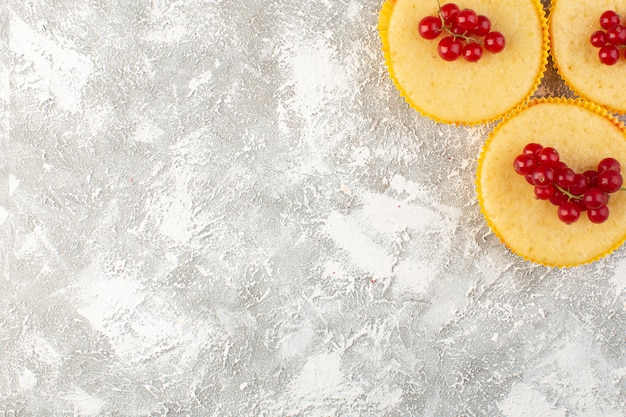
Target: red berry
[448,12]
[572,193]
[565,177]
[543,176]
[609,163]
[529,179]
[430,27]
[483,26]
[598,38]
[569,212]
[581,206]
[594,198]
[472,52]
[456,30]
[608,19]
[598,215]
[532,149]
[558,198]
[616,35]
[545,193]
[467,20]
[548,156]
[450,48]
[524,164]
[610,181]
[609,54]
[494,42]
[581,183]
[592,177]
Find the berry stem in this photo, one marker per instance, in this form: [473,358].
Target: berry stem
[569,195]
[464,37]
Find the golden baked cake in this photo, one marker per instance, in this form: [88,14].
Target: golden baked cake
[583,134]
[459,91]
[572,23]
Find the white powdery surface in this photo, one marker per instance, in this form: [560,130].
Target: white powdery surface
[223,208]
[525,400]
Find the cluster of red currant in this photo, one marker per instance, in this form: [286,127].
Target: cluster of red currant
[610,39]
[465,29]
[573,193]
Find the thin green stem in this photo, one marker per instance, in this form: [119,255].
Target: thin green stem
[567,193]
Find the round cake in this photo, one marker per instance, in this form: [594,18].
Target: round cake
[583,134]
[459,91]
[572,22]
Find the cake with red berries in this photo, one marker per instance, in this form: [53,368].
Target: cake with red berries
[588,39]
[549,182]
[468,62]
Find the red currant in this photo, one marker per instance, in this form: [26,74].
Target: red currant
[494,42]
[609,163]
[548,156]
[529,179]
[609,181]
[430,27]
[599,215]
[483,26]
[543,176]
[592,177]
[594,198]
[448,12]
[616,35]
[572,193]
[569,212]
[598,38]
[565,177]
[545,193]
[524,164]
[467,20]
[558,198]
[455,29]
[532,149]
[450,48]
[472,52]
[466,28]
[608,19]
[609,54]
[581,183]
[581,206]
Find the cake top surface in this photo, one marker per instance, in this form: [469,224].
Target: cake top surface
[577,59]
[584,134]
[460,91]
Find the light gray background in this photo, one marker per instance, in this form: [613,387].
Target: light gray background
[223,208]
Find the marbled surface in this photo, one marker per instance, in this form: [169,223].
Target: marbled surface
[223,208]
